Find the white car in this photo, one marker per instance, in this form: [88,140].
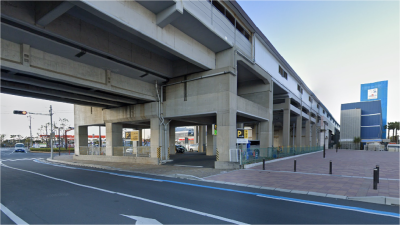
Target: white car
[19,147]
[194,147]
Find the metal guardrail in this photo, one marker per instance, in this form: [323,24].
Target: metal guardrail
[254,155]
[92,150]
[136,151]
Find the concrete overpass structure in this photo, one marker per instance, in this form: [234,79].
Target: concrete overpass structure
[159,65]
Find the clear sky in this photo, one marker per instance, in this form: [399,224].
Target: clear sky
[334,46]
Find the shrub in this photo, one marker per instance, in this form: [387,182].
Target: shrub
[49,149]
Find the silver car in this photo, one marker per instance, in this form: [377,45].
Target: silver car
[194,147]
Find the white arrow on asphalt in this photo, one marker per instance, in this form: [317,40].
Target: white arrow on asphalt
[142,220]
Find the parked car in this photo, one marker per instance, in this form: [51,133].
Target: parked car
[180,149]
[194,147]
[19,147]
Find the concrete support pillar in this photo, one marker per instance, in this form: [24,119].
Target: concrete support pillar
[81,138]
[195,134]
[165,139]
[140,138]
[254,131]
[114,137]
[201,138]
[154,136]
[172,140]
[210,141]
[308,133]
[314,135]
[286,127]
[226,137]
[299,128]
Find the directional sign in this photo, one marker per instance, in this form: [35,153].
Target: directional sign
[135,135]
[240,133]
[128,135]
[241,141]
[142,220]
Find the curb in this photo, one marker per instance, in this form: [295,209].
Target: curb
[370,199]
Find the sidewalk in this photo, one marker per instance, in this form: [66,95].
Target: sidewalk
[352,174]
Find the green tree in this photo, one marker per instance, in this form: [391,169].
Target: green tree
[357,140]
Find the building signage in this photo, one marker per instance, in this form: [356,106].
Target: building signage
[214,129]
[135,135]
[240,133]
[128,135]
[373,93]
[241,141]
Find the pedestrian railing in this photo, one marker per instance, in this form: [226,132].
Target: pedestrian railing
[92,150]
[136,151]
[254,155]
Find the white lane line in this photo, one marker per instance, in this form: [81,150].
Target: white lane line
[13,160]
[186,165]
[134,197]
[12,216]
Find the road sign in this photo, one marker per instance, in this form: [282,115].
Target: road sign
[214,129]
[240,133]
[246,134]
[128,135]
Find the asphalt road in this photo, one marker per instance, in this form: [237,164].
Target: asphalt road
[43,193]
[192,159]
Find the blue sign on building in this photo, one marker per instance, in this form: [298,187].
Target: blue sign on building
[377,91]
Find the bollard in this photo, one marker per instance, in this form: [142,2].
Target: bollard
[377,176]
[375,179]
[263,164]
[294,165]
[330,166]
[324,150]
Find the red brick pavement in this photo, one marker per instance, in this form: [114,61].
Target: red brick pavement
[345,162]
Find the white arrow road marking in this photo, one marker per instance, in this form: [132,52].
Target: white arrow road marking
[142,220]
[132,196]
[12,216]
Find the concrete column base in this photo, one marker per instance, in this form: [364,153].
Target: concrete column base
[226,165]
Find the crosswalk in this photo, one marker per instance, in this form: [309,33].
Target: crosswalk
[11,160]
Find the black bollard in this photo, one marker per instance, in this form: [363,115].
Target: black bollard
[294,165]
[375,179]
[263,164]
[324,151]
[377,176]
[330,166]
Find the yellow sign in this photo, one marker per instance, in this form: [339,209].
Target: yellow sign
[246,134]
[128,135]
[135,135]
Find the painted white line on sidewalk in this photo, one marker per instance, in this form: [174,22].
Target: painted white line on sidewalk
[134,197]
[12,216]
[277,160]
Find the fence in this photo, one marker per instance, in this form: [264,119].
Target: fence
[253,155]
[136,151]
[92,150]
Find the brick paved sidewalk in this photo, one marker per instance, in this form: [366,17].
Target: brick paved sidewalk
[345,162]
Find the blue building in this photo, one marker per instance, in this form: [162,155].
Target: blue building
[361,119]
[377,91]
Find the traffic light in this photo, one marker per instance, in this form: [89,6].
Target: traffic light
[20,112]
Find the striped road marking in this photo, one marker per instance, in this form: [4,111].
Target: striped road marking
[11,215]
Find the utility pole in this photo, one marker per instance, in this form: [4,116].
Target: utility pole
[30,128]
[51,132]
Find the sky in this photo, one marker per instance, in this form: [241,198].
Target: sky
[334,46]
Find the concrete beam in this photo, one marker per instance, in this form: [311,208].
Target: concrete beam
[47,97]
[64,87]
[46,11]
[169,14]
[55,93]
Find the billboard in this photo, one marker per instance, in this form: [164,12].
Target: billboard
[377,91]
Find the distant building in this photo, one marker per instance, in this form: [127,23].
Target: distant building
[361,119]
[377,91]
